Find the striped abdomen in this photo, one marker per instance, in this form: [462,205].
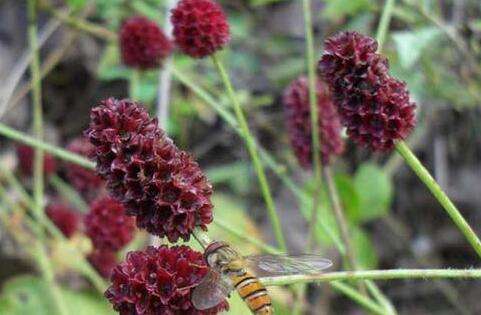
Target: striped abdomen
[253,293]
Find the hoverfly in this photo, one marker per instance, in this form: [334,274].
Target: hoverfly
[229,271]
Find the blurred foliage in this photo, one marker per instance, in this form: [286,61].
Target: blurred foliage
[30,295]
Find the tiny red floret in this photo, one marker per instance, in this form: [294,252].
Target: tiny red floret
[374,107]
[200,27]
[159,281]
[143,44]
[107,225]
[298,119]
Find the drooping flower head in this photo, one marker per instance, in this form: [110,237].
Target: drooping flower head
[200,27]
[64,217]
[26,154]
[298,119]
[108,226]
[162,186]
[143,44]
[374,106]
[104,261]
[84,180]
[159,281]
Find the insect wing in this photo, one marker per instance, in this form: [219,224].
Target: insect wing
[211,291]
[284,265]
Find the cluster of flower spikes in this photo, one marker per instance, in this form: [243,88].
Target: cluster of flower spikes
[374,107]
[162,186]
[298,119]
[26,154]
[159,281]
[143,44]
[83,180]
[200,27]
[64,217]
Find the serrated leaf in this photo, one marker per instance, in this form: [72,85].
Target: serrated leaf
[411,44]
[374,188]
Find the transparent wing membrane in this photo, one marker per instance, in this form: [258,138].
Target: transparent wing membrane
[283,265]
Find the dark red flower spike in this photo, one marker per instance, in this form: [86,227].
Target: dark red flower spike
[298,119]
[375,107]
[162,186]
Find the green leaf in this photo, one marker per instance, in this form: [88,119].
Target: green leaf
[411,44]
[349,197]
[76,4]
[337,9]
[375,191]
[364,249]
[109,65]
[30,295]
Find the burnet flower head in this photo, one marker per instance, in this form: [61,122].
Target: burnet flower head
[143,44]
[159,281]
[298,119]
[200,27]
[159,184]
[374,107]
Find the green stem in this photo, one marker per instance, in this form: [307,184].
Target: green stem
[46,269]
[340,218]
[357,297]
[37,124]
[439,194]
[77,23]
[54,150]
[69,193]
[383,26]
[393,274]
[134,83]
[251,147]
[316,157]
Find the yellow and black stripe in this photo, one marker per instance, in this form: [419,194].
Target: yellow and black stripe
[252,292]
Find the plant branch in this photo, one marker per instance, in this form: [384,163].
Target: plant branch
[392,274]
[383,26]
[314,116]
[252,148]
[54,150]
[440,195]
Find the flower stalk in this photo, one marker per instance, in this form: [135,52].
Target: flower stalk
[392,274]
[253,152]
[440,195]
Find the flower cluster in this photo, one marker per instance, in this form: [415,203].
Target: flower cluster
[64,217]
[374,106]
[85,181]
[200,27]
[157,183]
[107,225]
[143,44]
[297,111]
[26,154]
[158,281]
